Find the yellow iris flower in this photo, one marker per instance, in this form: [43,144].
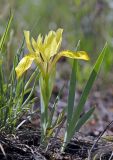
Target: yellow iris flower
[45,53]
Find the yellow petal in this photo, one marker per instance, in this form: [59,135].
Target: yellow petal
[59,37]
[40,46]
[75,55]
[49,38]
[28,43]
[49,44]
[39,40]
[56,43]
[52,43]
[24,64]
[59,34]
[35,46]
[50,49]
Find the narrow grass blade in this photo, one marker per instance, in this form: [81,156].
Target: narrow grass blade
[27,100]
[6,32]
[31,78]
[54,107]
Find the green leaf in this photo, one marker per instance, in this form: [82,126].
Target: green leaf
[89,84]
[84,119]
[72,88]
[71,95]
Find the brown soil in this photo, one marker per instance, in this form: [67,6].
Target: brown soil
[25,146]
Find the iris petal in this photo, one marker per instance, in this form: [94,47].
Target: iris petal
[24,64]
[59,37]
[52,43]
[75,55]
[28,43]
